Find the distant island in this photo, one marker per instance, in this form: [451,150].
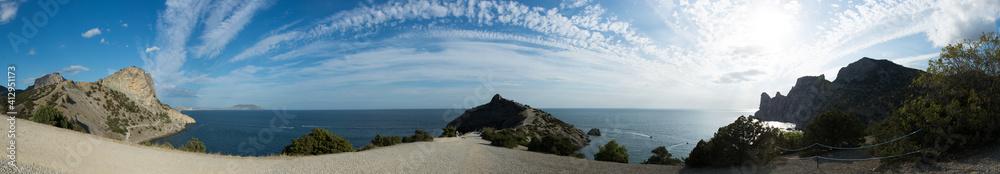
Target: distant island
[236,107]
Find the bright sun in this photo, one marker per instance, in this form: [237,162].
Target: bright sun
[770,28]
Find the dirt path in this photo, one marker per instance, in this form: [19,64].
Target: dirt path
[128,129]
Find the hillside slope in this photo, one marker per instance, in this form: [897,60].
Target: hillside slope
[122,106]
[501,113]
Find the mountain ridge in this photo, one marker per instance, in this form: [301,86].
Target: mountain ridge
[867,88]
[122,106]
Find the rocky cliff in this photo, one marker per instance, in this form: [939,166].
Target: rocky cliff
[123,106]
[867,88]
[501,113]
[46,80]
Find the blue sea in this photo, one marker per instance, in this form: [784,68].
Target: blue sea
[260,133]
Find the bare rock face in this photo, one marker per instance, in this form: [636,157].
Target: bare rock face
[865,88]
[46,80]
[501,113]
[134,82]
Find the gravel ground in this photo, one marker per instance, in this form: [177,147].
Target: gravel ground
[46,149]
[21,168]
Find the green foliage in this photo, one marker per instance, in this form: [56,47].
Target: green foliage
[834,128]
[51,116]
[116,124]
[791,140]
[746,140]
[193,145]
[381,141]
[167,145]
[663,157]
[504,138]
[53,98]
[554,144]
[612,152]
[449,131]
[418,135]
[959,110]
[317,142]
[163,116]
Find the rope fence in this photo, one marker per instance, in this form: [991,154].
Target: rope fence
[860,159]
[851,148]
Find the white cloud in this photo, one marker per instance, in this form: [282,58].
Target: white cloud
[125,25]
[573,3]
[103,42]
[29,81]
[173,29]
[32,52]
[8,10]
[151,49]
[73,70]
[224,22]
[953,21]
[606,35]
[91,33]
[737,77]
[915,61]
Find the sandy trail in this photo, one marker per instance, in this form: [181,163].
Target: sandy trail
[67,151]
[46,148]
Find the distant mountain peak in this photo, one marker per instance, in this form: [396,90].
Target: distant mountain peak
[46,80]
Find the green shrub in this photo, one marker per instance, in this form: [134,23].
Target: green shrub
[745,140]
[833,128]
[791,140]
[51,116]
[612,152]
[193,145]
[317,142]
[381,141]
[504,138]
[960,107]
[167,145]
[662,156]
[554,144]
[449,131]
[418,135]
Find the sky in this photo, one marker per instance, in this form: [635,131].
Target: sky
[320,54]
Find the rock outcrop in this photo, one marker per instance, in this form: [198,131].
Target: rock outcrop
[123,106]
[501,113]
[866,88]
[594,132]
[236,107]
[134,82]
[46,80]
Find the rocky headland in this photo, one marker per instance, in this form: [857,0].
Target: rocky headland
[501,113]
[867,88]
[122,106]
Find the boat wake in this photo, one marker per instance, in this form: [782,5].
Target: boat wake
[623,131]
